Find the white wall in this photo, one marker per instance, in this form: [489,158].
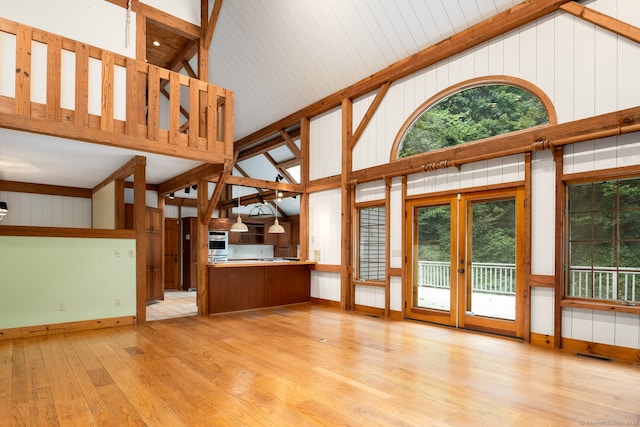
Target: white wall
[40,210]
[325,146]
[557,54]
[324,236]
[584,70]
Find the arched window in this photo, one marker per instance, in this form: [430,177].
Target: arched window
[476,111]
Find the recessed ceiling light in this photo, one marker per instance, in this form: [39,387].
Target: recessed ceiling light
[156,43]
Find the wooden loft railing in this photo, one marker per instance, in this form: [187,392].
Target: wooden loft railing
[69,89]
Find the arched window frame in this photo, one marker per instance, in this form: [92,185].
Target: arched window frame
[468,84]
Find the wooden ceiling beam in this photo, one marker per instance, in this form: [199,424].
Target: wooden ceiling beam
[369,114]
[290,144]
[122,172]
[259,183]
[189,178]
[510,19]
[52,190]
[267,145]
[600,19]
[282,171]
[207,33]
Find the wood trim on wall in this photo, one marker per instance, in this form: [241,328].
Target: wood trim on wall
[85,233]
[540,281]
[329,268]
[581,347]
[57,328]
[51,190]
[541,340]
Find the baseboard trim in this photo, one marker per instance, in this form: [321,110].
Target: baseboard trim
[542,340]
[59,328]
[597,349]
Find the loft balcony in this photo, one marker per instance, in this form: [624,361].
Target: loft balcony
[60,87]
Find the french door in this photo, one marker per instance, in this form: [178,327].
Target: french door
[465,257]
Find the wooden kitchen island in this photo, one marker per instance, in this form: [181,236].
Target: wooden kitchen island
[235,286]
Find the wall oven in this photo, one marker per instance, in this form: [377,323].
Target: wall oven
[218,246]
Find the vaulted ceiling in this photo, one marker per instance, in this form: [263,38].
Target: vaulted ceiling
[278,56]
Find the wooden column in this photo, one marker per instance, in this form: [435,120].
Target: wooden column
[526,314]
[305,133]
[559,268]
[202,256]
[139,214]
[346,291]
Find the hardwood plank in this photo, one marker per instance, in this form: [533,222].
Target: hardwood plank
[308,365]
[106,115]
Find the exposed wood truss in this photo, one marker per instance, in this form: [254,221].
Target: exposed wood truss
[612,24]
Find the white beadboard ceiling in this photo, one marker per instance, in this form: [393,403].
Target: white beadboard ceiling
[278,56]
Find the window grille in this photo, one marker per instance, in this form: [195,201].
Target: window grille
[372,243]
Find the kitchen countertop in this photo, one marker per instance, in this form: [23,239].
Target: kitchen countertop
[260,263]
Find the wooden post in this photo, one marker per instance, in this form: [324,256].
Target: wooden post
[346,292]
[305,133]
[139,214]
[202,238]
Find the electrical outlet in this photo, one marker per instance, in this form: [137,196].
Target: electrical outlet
[316,255]
[63,306]
[131,253]
[118,302]
[117,253]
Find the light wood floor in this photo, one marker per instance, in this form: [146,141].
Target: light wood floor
[305,365]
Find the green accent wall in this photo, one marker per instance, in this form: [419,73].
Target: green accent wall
[83,276]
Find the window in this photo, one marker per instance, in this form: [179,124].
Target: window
[371,260]
[472,114]
[604,240]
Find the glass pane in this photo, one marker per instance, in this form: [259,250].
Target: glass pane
[580,197]
[629,193]
[432,283]
[581,254]
[581,226]
[493,260]
[472,114]
[605,195]
[630,255]
[604,225]
[629,225]
[604,254]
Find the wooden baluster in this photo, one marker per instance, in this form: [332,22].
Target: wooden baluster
[54,72]
[23,70]
[81,115]
[106,113]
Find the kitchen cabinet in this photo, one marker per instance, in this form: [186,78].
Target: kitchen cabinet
[154,227]
[241,286]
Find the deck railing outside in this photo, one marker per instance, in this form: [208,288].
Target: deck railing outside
[491,278]
[495,278]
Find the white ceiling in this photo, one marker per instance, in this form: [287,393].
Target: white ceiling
[278,56]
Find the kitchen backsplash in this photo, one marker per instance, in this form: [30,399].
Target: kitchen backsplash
[250,251]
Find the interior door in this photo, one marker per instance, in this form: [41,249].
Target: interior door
[171,254]
[466,256]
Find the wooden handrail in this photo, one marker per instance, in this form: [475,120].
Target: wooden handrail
[130,114]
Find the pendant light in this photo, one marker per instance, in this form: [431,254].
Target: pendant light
[276,228]
[239,226]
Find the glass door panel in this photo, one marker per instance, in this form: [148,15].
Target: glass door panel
[432,260]
[492,290]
